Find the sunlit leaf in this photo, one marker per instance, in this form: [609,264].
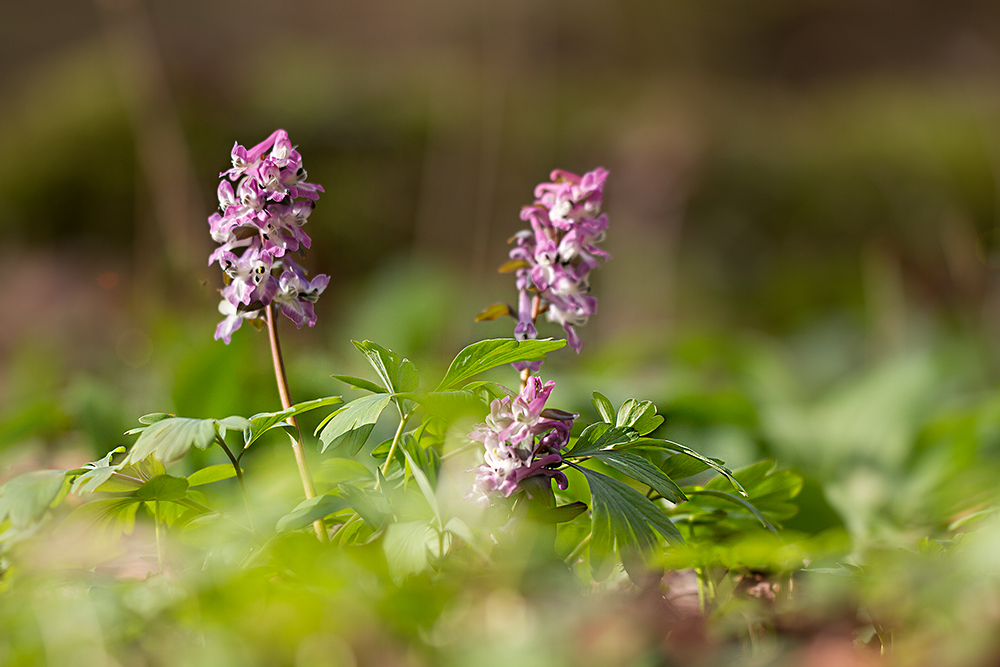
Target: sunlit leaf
[171,438]
[604,407]
[163,487]
[639,415]
[360,383]
[398,374]
[310,510]
[26,498]
[211,474]
[487,354]
[352,424]
[263,422]
[406,547]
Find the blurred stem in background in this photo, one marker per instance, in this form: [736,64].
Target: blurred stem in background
[286,402]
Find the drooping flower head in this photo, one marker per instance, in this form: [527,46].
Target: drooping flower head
[260,223]
[554,256]
[521,439]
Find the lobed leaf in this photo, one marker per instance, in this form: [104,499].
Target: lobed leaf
[604,407]
[211,474]
[26,498]
[398,374]
[487,354]
[263,422]
[171,438]
[308,511]
[351,425]
[622,517]
[360,383]
[163,487]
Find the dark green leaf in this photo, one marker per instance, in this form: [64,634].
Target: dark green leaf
[622,516]
[352,424]
[600,436]
[680,466]
[558,514]
[700,493]
[308,511]
[163,487]
[604,407]
[211,474]
[360,383]
[488,354]
[399,375]
[263,422]
[656,443]
[643,471]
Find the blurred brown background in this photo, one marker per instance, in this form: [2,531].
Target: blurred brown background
[776,167]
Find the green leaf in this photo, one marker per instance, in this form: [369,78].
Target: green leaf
[336,469]
[26,498]
[171,438]
[154,417]
[600,436]
[97,473]
[680,466]
[263,422]
[113,516]
[558,514]
[422,467]
[211,474]
[622,517]
[640,415]
[360,383]
[308,511]
[449,405]
[487,354]
[604,407]
[163,487]
[370,505]
[656,443]
[353,423]
[406,548]
[399,375]
[643,471]
[733,499]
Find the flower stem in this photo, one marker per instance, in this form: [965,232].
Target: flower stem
[159,537]
[395,441]
[536,302]
[571,558]
[286,402]
[239,478]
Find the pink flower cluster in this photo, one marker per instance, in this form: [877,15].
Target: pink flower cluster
[260,224]
[514,449]
[556,255]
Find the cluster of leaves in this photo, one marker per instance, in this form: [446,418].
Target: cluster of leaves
[390,493]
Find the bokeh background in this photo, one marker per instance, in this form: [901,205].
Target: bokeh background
[803,202]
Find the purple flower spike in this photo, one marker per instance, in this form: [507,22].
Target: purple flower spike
[259,224]
[558,252]
[520,442]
